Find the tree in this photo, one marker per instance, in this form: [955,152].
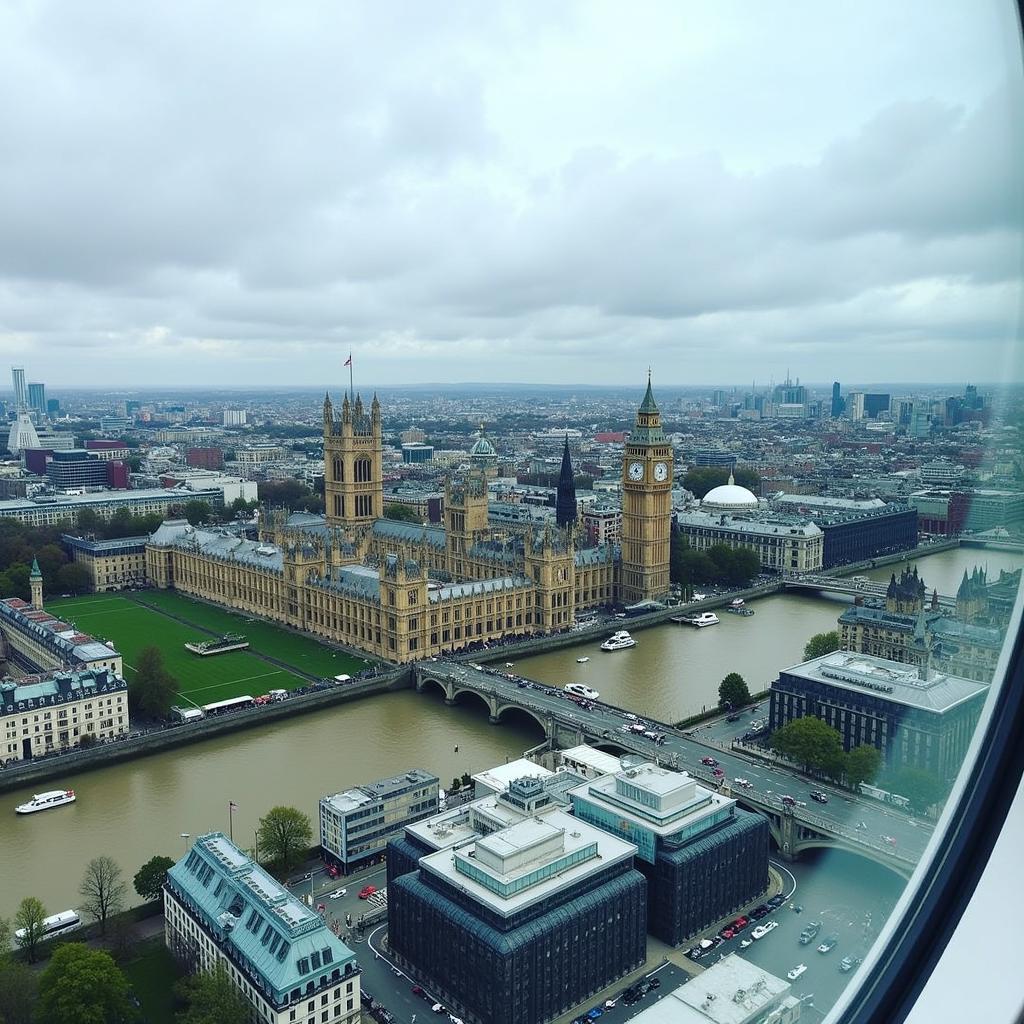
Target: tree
[88,520]
[102,890]
[149,879]
[403,513]
[153,688]
[920,787]
[6,937]
[733,691]
[17,993]
[862,764]
[28,919]
[72,578]
[284,836]
[82,986]
[197,512]
[821,643]
[812,743]
[212,999]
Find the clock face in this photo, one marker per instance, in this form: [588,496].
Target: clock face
[636,471]
[660,471]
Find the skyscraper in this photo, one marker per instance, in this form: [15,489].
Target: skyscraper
[18,383]
[37,397]
[565,503]
[837,401]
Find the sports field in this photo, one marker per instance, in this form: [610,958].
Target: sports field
[145,619]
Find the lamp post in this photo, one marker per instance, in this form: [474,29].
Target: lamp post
[186,836]
[256,845]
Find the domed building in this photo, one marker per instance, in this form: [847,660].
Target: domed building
[484,456]
[729,498]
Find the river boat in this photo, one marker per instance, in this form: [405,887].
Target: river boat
[740,609]
[582,661]
[579,690]
[619,641]
[700,621]
[44,801]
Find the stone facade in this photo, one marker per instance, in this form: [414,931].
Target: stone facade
[402,591]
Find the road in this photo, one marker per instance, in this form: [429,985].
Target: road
[860,821]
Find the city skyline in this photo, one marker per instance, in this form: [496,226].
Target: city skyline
[510,192]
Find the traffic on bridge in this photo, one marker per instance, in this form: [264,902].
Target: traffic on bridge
[879,831]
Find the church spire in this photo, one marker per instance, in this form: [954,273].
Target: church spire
[565,502]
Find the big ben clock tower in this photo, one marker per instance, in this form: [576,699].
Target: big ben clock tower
[646,506]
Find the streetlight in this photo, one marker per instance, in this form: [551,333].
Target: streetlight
[186,836]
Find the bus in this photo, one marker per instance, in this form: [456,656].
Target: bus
[65,921]
[232,704]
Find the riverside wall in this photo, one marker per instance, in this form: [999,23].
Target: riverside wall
[142,743]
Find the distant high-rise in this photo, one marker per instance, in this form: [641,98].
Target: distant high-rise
[18,383]
[53,406]
[37,397]
[837,401]
[565,504]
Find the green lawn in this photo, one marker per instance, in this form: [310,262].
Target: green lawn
[152,977]
[132,625]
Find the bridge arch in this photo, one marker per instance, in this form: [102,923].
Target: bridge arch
[430,682]
[474,695]
[517,711]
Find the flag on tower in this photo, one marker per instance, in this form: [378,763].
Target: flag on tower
[233,805]
[348,362]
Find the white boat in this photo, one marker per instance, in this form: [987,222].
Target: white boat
[737,603]
[763,929]
[700,621]
[619,641]
[58,924]
[44,801]
[582,661]
[796,972]
[579,690]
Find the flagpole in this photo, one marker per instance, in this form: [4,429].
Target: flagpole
[231,821]
[351,386]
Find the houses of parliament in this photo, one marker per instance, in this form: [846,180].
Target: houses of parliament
[400,591]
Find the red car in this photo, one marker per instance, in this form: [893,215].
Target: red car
[367,891]
[739,924]
[726,933]
[709,761]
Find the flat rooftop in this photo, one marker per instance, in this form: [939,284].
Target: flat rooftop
[732,991]
[892,680]
[529,862]
[497,779]
[381,789]
[657,799]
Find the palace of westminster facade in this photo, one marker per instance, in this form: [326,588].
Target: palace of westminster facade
[402,592]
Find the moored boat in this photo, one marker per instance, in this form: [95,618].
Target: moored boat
[44,801]
[619,641]
[701,620]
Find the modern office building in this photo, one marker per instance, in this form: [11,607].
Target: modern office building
[53,407]
[44,714]
[357,824]
[222,909]
[520,925]
[37,397]
[112,564]
[416,453]
[22,434]
[235,417]
[49,511]
[875,405]
[702,856]
[75,469]
[855,530]
[18,387]
[916,718]
[837,401]
[941,513]
[732,991]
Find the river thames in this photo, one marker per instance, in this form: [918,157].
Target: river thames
[139,808]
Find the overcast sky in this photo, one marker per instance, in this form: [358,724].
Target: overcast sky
[245,192]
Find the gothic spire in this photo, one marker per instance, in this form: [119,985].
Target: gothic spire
[565,501]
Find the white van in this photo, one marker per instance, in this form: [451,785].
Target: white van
[277,694]
[342,679]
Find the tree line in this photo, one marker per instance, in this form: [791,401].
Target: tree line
[718,564]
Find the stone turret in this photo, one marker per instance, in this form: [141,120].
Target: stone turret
[35,583]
